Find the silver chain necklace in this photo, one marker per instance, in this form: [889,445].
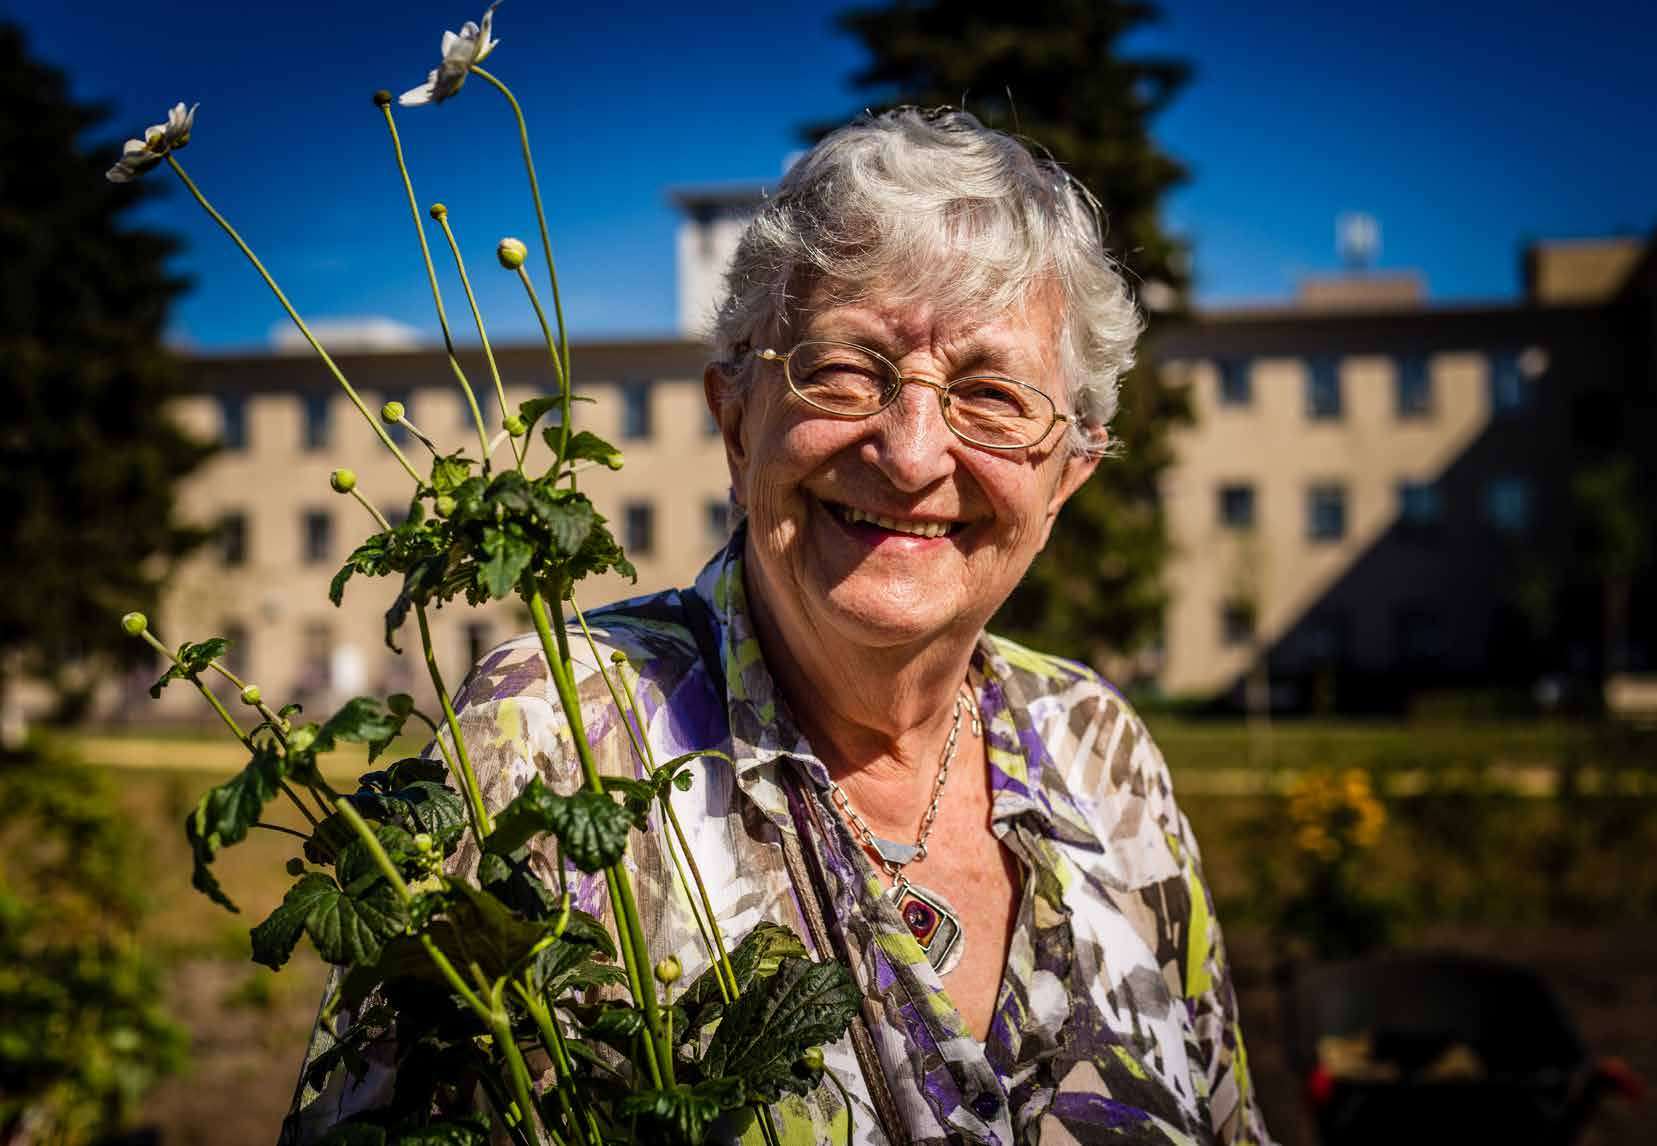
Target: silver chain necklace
[931,920]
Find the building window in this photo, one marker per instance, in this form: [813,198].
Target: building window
[1509,388]
[719,520]
[477,641]
[1323,389]
[318,406]
[1415,388]
[638,528]
[1237,623]
[635,410]
[232,538]
[1237,506]
[319,535]
[397,433]
[1326,513]
[1507,504]
[233,421]
[1419,504]
[1236,383]
[316,655]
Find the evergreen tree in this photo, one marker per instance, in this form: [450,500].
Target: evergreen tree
[1053,72]
[88,456]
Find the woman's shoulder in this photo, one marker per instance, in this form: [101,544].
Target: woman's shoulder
[1092,733]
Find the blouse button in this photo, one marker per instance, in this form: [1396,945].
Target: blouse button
[986,1105]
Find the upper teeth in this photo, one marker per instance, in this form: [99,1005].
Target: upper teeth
[918,528]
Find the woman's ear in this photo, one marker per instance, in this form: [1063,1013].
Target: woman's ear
[728,409]
[1073,472]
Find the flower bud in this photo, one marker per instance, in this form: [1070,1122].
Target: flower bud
[669,970]
[343,481]
[296,866]
[382,98]
[444,505]
[437,210]
[812,1058]
[301,738]
[134,624]
[514,425]
[618,657]
[251,695]
[511,253]
[392,413]
[423,842]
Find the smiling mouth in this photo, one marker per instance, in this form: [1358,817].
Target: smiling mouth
[849,515]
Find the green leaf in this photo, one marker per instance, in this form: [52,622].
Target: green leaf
[336,587]
[193,660]
[274,939]
[529,814]
[449,472]
[569,519]
[764,1033]
[531,411]
[362,720]
[592,828]
[507,557]
[224,815]
[586,446]
[758,956]
[688,1110]
[356,867]
[497,939]
[353,928]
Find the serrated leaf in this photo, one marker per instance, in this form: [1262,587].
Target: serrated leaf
[687,1110]
[411,769]
[336,587]
[532,410]
[493,936]
[592,829]
[354,928]
[362,720]
[357,867]
[449,472]
[569,520]
[758,956]
[193,660]
[764,1033]
[224,815]
[507,556]
[274,939]
[586,446]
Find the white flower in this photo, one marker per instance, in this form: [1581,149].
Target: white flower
[461,52]
[139,155]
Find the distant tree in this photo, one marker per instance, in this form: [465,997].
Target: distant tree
[1054,72]
[88,456]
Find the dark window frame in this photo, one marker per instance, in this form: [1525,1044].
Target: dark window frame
[1237,505]
[1325,393]
[1326,496]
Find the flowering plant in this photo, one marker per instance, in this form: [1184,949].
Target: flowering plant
[1335,820]
[480,975]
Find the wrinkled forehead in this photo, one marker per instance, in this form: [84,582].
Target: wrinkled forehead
[1018,331]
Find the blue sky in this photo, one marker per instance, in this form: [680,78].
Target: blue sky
[1464,129]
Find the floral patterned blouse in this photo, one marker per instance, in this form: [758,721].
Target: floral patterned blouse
[1116,1019]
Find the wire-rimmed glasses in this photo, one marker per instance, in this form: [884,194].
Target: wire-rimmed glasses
[851,381]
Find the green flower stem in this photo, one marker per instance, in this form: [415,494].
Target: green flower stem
[303,810]
[546,331]
[713,942]
[581,1122]
[481,825]
[477,315]
[500,1025]
[437,294]
[339,377]
[420,435]
[635,952]
[370,841]
[546,243]
[846,1099]
[284,831]
[379,518]
[767,1130]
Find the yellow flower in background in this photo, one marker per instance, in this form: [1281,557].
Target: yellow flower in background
[1335,814]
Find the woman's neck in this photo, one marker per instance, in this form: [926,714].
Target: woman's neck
[877,717]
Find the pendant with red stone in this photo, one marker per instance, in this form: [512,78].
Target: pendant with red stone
[934,924]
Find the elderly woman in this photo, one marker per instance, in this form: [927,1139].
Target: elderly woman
[917,364]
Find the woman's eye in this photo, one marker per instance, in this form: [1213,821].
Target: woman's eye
[990,396]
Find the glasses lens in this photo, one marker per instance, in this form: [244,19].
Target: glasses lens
[841,378]
[999,411]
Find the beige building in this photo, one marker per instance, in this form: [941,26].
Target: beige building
[1366,487]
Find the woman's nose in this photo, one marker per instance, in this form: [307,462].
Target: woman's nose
[910,441]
